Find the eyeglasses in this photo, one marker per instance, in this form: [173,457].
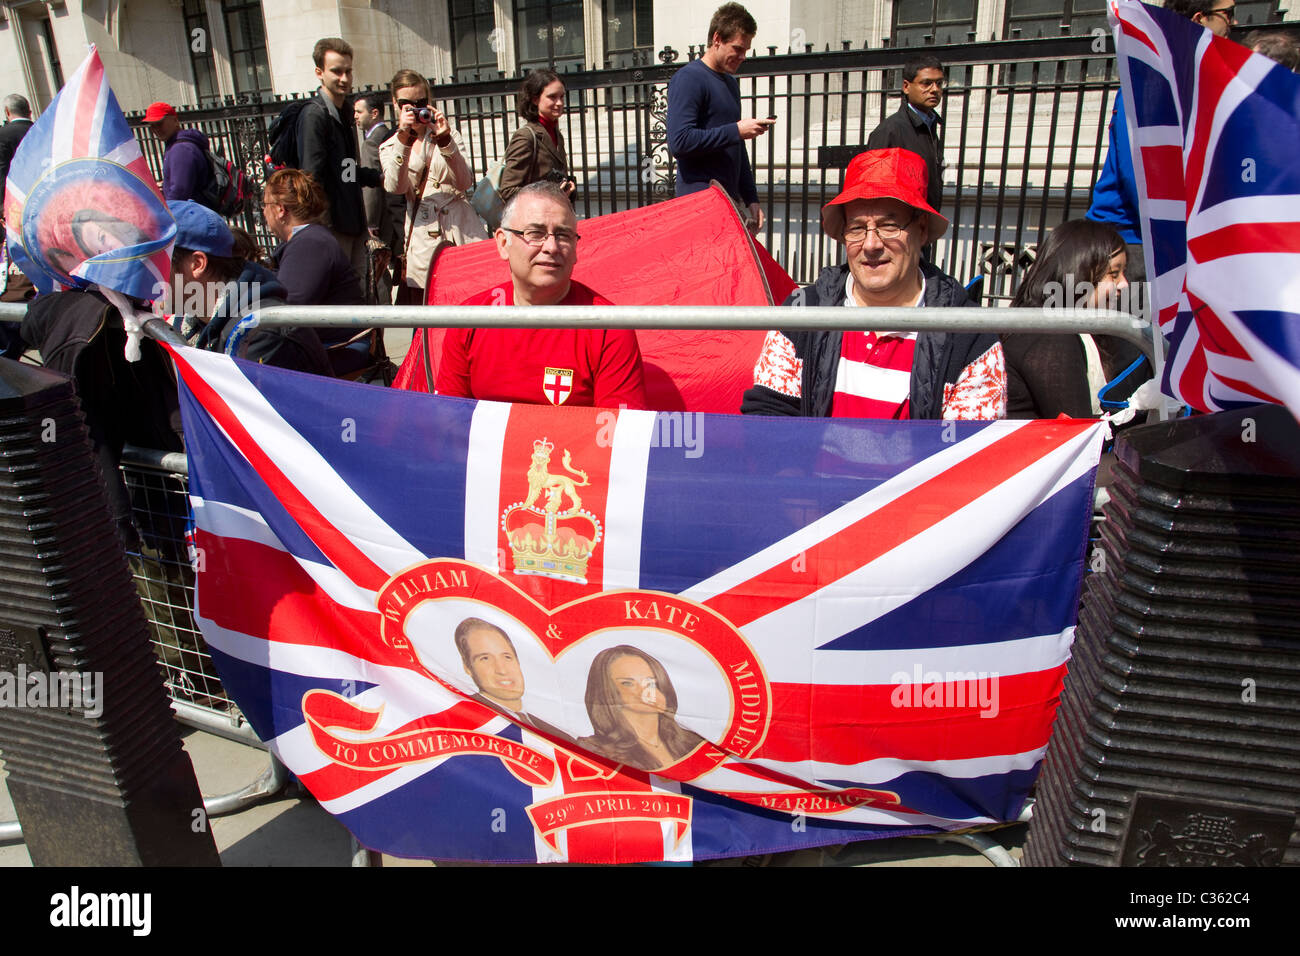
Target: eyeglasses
[1229,14]
[857,232]
[931,84]
[415,104]
[536,236]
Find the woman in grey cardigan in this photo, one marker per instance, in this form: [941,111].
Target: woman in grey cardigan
[536,150]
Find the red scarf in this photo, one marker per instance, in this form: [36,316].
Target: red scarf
[551,126]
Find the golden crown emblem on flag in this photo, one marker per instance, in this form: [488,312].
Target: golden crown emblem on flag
[553,540]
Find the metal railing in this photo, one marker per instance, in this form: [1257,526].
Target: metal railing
[696,317]
[1046,321]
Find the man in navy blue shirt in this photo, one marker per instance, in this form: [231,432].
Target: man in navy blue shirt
[705,132]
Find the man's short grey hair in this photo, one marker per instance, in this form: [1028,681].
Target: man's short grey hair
[18,106]
[550,190]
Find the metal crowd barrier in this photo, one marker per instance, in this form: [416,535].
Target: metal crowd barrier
[164,576]
[717,317]
[158,483]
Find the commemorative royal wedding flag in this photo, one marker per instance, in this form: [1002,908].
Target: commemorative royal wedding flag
[1214,130]
[81,207]
[478,631]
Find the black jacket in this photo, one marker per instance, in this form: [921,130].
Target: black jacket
[327,148]
[80,334]
[906,130]
[290,347]
[385,213]
[939,360]
[11,134]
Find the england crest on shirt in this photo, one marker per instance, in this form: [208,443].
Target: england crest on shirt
[557,385]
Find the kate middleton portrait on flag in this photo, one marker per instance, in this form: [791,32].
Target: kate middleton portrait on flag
[632,706]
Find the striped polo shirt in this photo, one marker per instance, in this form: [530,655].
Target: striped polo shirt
[874,376]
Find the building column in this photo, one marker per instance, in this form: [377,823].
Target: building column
[219,43]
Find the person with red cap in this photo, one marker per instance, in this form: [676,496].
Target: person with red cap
[186,170]
[884,221]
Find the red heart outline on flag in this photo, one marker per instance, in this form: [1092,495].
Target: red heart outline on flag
[561,629]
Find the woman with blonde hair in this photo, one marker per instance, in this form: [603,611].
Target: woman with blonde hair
[424,162]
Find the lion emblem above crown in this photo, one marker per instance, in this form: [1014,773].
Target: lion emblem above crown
[553,540]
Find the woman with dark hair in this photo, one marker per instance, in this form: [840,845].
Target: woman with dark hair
[97,232]
[536,150]
[633,711]
[424,160]
[1081,265]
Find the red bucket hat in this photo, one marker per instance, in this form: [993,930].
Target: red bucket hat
[883,174]
[157,111]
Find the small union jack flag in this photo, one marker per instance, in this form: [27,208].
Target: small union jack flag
[81,206]
[1214,131]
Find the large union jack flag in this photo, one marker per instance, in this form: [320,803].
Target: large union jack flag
[480,631]
[81,207]
[1214,130]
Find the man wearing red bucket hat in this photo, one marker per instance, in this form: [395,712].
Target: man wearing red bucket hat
[883,219]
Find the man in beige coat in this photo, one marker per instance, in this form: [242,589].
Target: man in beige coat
[424,162]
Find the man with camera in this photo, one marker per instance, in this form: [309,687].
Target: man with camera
[424,162]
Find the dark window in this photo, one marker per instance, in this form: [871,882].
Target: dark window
[629,33]
[201,59]
[52,54]
[549,33]
[1257,14]
[918,22]
[247,37]
[1029,19]
[473,39]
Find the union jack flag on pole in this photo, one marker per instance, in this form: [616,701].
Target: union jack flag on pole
[1214,130]
[480,631]
[81,206]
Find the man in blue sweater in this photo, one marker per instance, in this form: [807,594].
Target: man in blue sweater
[705,132]
[186,170]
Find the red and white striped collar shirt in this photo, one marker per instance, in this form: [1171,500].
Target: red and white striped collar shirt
[874,376]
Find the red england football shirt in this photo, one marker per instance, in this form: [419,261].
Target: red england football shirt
[600,367]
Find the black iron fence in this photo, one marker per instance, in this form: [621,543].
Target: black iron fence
[1024,137]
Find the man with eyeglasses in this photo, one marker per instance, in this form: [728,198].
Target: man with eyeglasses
[916,124]
[539,238]
[1115,194]
[884,220]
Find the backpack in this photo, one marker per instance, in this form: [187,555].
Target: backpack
[485,197]
[229,189]
[283,136]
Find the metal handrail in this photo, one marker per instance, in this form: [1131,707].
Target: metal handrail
[695,317]
[714,317]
